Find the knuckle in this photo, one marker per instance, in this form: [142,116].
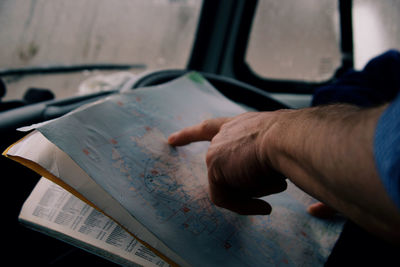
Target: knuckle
[209,158]
[205,125]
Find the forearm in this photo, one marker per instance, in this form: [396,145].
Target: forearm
[328,152]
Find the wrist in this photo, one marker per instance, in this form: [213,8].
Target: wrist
[303,136]
[277,138]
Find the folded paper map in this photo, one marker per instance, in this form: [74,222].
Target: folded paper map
[114,155]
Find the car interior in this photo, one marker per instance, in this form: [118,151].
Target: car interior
[302,44]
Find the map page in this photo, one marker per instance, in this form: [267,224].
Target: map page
[121,143]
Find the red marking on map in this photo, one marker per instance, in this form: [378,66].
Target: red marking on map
[185,209]
[227,245]
[86,151]
[113,141]
[148,128]
[120,103]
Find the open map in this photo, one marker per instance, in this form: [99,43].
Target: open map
[121,143]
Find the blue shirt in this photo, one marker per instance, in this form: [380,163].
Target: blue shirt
[387,149]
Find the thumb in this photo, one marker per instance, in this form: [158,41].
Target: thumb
[320,210]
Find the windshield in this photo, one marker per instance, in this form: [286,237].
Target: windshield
[145,35]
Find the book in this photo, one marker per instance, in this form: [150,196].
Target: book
[113,155]
[54,211]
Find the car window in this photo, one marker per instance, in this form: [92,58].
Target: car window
[150,35]
[376,29]
[295,40]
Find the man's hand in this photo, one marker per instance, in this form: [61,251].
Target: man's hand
[326,151]
[237,172]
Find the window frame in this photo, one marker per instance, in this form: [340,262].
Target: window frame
[222,38]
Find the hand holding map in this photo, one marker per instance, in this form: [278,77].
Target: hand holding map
[120,143]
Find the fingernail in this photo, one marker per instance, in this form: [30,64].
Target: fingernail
[172,138]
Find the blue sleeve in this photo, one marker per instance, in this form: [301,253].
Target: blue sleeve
[387,149]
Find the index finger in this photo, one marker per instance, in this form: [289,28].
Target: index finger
[203,131]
